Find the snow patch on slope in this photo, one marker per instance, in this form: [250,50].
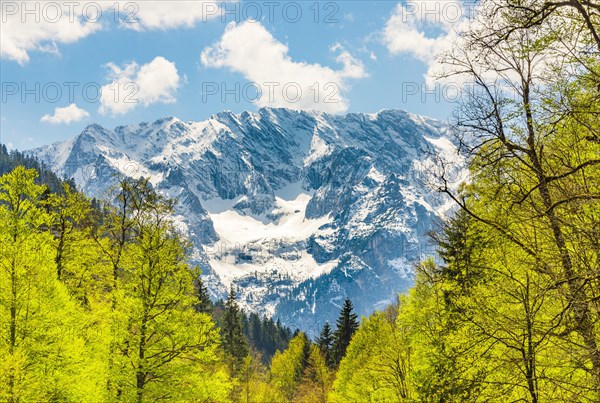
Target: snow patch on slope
[235,228]
[264,250]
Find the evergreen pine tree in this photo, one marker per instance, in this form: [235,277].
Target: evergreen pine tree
[458,243]
[347,324]
[204,303]
[234,342]
[255,331]
[325,343]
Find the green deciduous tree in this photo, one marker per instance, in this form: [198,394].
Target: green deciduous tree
[287,368]
[42,346]
[77,255]
[530,144]
[317,379]
[377,365]
[164,347]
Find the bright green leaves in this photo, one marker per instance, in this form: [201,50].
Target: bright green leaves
[41,332]
[99,305]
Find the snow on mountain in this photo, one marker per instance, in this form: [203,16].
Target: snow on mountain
[298,210]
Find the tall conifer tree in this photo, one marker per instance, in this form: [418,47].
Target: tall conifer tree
[325,343]
[347,324]
[234,341]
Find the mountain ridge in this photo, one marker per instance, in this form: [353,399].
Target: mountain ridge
[298,199]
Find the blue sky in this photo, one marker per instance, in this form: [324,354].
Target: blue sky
[179,57]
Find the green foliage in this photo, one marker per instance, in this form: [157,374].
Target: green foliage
[317,380]
[287,367]
[377,365]
[76,254]
[253,379]
[164,338]
[42,330]
[448,361]
[96,310]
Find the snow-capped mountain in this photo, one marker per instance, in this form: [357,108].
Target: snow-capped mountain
[297,209]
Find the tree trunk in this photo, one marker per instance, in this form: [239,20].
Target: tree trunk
[581,310]
[141,370]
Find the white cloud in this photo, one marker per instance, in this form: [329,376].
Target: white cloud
[166,14]
[42,25]
[132,84]
[430,31]
[248,48]
[39,25]
[425,29]
[66,115]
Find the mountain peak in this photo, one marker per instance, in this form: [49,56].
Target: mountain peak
[166,121]
[93,128]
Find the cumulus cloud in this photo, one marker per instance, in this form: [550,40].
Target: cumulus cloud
[43,25]
[250,49]
[38,25]
[66,115]
[166,14]
[424,29]
[132,84]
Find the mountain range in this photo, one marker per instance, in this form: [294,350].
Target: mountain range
[298,210]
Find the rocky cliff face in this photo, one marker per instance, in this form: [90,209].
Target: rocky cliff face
[298,209]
